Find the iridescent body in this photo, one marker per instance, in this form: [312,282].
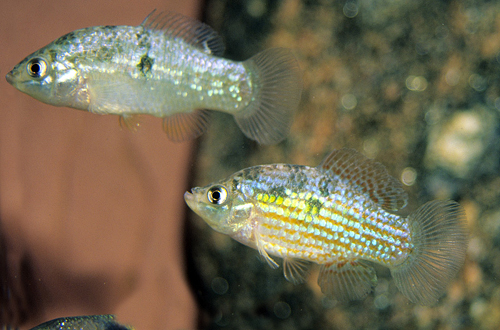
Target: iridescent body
[92,322]
[306,215]
[165,67]
[338,215]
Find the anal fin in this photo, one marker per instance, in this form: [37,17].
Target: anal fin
[186,125]
[347,280]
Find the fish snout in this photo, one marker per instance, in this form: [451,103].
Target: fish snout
[10,78]
[188,196]
[192,198]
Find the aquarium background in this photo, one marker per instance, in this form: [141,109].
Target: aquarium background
[412,84]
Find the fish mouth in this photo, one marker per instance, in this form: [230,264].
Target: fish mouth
[191,201]
[10,78]
[188,197]
[192,198]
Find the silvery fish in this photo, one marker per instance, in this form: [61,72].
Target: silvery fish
[338,215]
[166,67]
[92,322]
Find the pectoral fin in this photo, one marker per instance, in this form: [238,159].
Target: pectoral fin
[262,250]
[116,95]
[347,280]
[270,261]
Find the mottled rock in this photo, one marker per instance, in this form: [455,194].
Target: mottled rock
[458,143]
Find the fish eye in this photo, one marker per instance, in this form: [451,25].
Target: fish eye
[37,67]
[217,195]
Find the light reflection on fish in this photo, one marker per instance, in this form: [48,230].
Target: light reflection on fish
[91,322]
[165,67]
[338,215]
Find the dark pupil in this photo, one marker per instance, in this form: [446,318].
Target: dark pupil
[35,68]
[216,195]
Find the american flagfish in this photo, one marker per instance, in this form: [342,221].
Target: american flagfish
[91,322]
[340,216]
[169,67]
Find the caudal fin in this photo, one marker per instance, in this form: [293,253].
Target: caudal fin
[277,83]
[439,234]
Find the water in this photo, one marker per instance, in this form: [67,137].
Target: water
[413,84]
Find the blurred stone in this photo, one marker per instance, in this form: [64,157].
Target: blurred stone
[392,79]
[458,144]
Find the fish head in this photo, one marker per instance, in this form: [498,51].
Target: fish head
[51,81]
[223,208]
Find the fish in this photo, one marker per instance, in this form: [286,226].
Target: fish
[342,216]
[90,322]
[169,66]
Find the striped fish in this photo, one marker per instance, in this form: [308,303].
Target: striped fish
[340,216]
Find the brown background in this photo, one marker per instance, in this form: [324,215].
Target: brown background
[98,210]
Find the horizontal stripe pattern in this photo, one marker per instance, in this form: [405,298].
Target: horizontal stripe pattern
[325,221]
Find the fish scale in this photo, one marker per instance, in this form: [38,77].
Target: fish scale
[338,215]
[180,73]
[328,222]
[168,67]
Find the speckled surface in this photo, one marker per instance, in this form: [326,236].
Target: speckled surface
[412,84]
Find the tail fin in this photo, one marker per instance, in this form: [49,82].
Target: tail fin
[277,81]
[438,232]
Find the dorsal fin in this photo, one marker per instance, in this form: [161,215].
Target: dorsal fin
[190,30]
[367,177]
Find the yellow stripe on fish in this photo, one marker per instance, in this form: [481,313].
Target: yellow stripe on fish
[338,215]
[166,67]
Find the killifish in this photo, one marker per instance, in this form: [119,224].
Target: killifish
[339,215]
[91,322]
[168,67]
